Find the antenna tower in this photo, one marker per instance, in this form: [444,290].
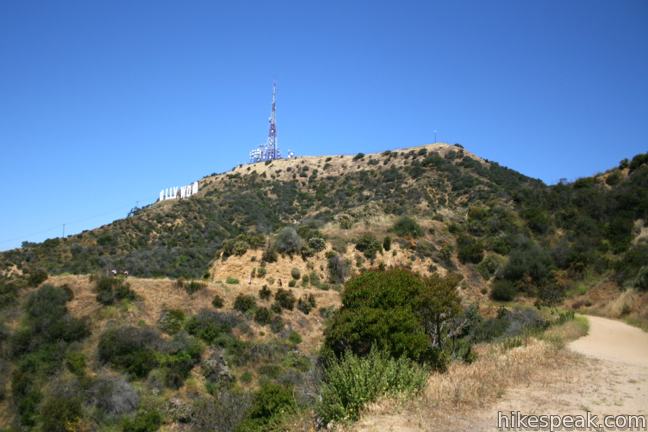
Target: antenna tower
[272,150]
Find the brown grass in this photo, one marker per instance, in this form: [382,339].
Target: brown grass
[156,295]
[466,387]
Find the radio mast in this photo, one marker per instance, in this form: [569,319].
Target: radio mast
[272,150]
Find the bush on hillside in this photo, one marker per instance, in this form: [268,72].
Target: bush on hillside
[641,281]
[387,242]
[209,325]
[111,289]
[406,226]
[503,290]
[338,269]
[244,303]
[171,321]
[36,277]
[270,404]
[317,244]
[353,381]
[218,301]
[306,303]
[263,316]
[469,250]
[181,354]
[146,420]
[131,349]
[393,310]
[369,246]
[288,241]
[265,293]
[194,286]
[285,298]
[295,273]
[527,261]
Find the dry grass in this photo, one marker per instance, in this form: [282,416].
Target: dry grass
[466,387]
[607,299]
[155,295]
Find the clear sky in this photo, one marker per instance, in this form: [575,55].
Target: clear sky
[104,103]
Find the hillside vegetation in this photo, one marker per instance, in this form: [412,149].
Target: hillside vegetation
[268,300]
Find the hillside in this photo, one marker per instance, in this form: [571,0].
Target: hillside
[250,203]
[238,298]
[468,210]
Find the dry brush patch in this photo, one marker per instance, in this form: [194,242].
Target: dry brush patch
[465,387]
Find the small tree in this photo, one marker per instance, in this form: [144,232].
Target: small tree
[244,303]
[438,303]
[387,241]
[407,227]
[288,241]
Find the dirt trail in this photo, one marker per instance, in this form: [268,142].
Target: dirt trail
[613,341]
[607,374]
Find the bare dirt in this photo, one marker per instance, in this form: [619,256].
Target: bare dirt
[605,373]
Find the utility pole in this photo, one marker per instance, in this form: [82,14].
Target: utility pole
[63,231]
[435,136]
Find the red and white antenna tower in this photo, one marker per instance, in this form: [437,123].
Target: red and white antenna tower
[272,149]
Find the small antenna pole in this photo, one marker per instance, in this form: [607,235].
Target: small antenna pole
[63,230]
[435,136]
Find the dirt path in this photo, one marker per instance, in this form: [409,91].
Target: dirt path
[606,374]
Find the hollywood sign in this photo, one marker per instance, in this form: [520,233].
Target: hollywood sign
[179,192]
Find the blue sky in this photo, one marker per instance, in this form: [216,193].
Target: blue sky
[104,103]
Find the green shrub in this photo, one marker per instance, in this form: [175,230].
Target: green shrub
[263,316]
[171,321]
[489,266]
[306,303]
[218,301]
[111,289]
[270,404]
[503,290]
[231,280]
[317,244]
[292,283]
[391,310]
[182,353]
[244,303]
[277,323]
[288,241]
[148,420]
[358,156]
[210,325]
[368,245]
[60,411]
[269,254]
[261,272]
[295,273]
[8,292]
[338,269]
[641,281]
[407,227]
[352,381]
[285,298]
[294,338]
[387,242]
[36,277]
[131,349]
[265,293]
[75,362]
[528,261]
[469,250]
[194,286]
